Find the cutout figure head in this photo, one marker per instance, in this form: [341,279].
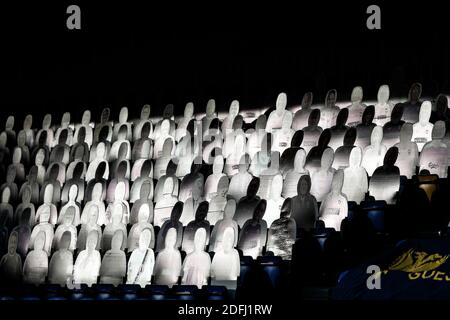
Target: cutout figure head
[91,241]
[357,95]
[314,118]
[406,133]
[425,112]
[355,157]
[307,100]
[368,115]
[230,209]
[123,115]
[202,211]
[177,210]
[383,94]
[200,240]
[281,102]
[438,130]
[286,208]
[415,92]
[304,185]
[391,157]
[253,187]
[260,210]
[331,98]
[376,136]
[171,239]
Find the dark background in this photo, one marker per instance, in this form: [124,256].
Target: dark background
[167,52]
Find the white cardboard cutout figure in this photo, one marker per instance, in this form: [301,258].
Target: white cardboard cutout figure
[330,111]
[338,130]
[200,222]
[246,205]
[342,154]
[48,205]
[213,180]
[87,265]
[383,108]
[191,204]
[145,114]
[254,142]
[385,181]
[73,193]
[210,114]
[114,263]
[162,162]
[218,201]
[240,181]
[274,200]
[67,224]
[282,233]
[137,228]
[226,223]
[60,269]
[355,184]
[123,120]
[232,161]
[304,205]
[141,262]
[301,117]
[292,177]
[45,227]
[91,224]
[164,206]
[253,235]
[408,153]
[197,264]
[391,130]
[282,137]
[365,128]
[96,203]
[321,179]
[227,124]
[275,119]
[168,262]
[184,121]
[115,224]
[11,263]
[422,130]
[312,132]
[373,155]
[226,262]
[35,267]
[119,202]
[100,157]
[356,109]
[334,208]
[434,155]
[412,106]
[173,222]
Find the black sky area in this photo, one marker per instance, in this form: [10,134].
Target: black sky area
[166,52]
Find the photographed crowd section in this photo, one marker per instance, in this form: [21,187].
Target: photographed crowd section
[192,200]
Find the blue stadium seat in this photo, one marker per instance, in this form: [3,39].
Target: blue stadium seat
[375,211]
[271,265]
[246,266]
[28,292]
[81,292]
[217,293]
[129,291]
[104,292]
[185,292]
[155,292]
[53,292]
